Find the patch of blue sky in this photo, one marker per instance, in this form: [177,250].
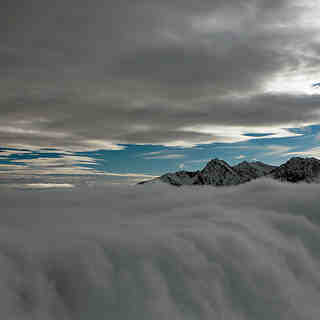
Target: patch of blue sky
[157,159]
[309,130]
[132,159]
[7,161]
[151,159]
[258,134]
[34,155]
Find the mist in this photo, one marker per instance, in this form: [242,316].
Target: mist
[159,252]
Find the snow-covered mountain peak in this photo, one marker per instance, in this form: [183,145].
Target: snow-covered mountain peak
[298,169]
[252,170]
[219,173]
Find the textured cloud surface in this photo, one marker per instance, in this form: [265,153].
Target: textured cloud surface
[161,253]
[88,75]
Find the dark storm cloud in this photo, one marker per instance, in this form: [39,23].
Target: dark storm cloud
[242,69]
[140,71]
[153,123]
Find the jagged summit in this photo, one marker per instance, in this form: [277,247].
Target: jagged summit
[298,169]
[252,170]
[219,173]
[180,178]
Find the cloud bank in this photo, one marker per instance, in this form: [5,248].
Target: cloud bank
[158,252]
[86,76]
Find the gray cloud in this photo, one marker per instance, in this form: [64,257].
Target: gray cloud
[161,253]
[157,123]
[141,71]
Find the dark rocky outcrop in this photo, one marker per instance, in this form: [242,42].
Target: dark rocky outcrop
[298,170]
[220,173]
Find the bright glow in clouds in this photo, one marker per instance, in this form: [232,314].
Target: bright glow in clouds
[301,79]
[101,144]
[290,82]
[310,15]
[45,185]
[294,83]
[158,252]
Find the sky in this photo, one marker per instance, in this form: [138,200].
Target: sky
[120,91]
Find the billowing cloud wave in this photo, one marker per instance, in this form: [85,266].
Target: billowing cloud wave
[158,252]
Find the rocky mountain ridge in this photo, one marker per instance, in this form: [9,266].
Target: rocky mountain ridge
[219,173]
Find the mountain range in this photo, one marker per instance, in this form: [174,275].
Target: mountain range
[219,173]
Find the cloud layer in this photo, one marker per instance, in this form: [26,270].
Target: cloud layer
[92,75]
[161,253]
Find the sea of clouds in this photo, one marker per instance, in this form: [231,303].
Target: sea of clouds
[159,252]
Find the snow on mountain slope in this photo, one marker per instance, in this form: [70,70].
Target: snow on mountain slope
[297,170]
[220,173]
[180,178]
[252,170]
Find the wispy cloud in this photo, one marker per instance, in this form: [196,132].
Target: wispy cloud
[44,185]
[198,160]
[130,175]
[278,150]
[165,157]
[313,152]
[46,163]
[8,153]
[153,153]
[164,154]
[66,165]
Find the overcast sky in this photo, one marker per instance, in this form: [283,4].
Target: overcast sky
[155,76]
